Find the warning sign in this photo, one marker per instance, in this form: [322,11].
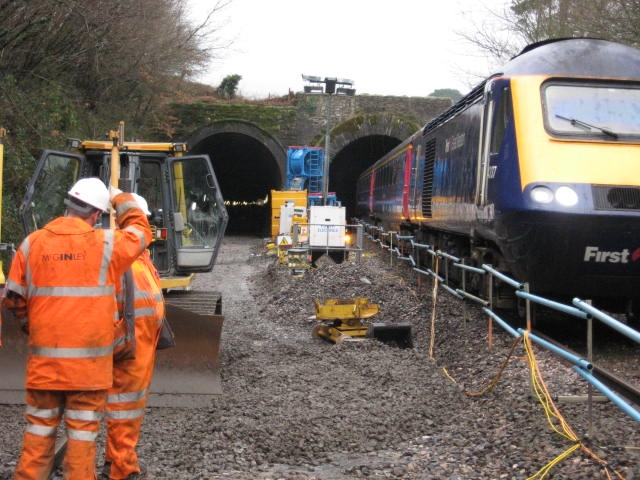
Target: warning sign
[284,241]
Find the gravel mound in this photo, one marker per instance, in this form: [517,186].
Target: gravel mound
[299,407]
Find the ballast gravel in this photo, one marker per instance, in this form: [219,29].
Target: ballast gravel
[298,407]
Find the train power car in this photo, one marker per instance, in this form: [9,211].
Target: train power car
[536,171]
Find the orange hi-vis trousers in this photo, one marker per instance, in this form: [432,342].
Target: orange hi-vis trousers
[127,398]
[126,403]
[83,411]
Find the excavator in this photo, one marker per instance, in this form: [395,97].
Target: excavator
[188,221]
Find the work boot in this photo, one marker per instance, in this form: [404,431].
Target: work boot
[138,476]
[106,471]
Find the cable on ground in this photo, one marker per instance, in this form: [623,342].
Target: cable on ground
[496,379]
[556,420]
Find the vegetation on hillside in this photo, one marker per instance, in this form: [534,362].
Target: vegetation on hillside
[451,93]
[70,67]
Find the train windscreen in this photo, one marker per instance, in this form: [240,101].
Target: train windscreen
[596,110]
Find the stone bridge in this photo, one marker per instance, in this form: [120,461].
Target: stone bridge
[248,142]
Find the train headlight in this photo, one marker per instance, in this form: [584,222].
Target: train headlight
[566,196]
[541,194]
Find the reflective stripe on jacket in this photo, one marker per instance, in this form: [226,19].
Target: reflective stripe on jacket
[67,271]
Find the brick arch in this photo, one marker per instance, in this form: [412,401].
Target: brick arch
[358,126]
[240,127]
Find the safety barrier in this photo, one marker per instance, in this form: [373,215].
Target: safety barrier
[397,245]
[404,248]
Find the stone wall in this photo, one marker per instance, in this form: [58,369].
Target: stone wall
[312,111]
[303,123]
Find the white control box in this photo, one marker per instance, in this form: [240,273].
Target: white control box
[327,225]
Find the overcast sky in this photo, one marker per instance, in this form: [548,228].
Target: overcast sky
[386,47]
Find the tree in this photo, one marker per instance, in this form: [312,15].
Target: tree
[75,68]
[104,54]
[530,21]
[229,86]
[609,19]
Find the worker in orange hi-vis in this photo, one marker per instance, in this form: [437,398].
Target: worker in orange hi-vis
[61,288]
[133,366]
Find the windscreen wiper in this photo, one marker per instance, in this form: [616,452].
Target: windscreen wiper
[579,123]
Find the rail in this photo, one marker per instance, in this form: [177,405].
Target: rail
[406,249]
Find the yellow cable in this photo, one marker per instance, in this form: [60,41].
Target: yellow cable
[543,395]
[446,373]
[547,468]
[552,413]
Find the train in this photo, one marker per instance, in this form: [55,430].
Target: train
[536,171]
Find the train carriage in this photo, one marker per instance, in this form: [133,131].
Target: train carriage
[536,171]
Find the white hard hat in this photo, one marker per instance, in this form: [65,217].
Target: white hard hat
[87,194]
[142,203]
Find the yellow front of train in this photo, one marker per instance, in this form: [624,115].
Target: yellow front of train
[578,150]
[573,131]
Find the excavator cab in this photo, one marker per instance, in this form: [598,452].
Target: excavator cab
[188,216]
[188,220]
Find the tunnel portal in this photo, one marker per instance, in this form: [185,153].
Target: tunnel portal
[348,163]
[248,168]
[246,171]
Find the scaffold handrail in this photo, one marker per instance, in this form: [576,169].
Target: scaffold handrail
[608,320]
[581,309]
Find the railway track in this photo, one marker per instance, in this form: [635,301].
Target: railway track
[612,380]
[562,338]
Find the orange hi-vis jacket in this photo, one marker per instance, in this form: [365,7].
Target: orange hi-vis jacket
[148,305]
[65,273]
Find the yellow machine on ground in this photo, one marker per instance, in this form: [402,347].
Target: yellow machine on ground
[341,319]
[188,220]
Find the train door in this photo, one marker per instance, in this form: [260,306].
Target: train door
[483,150]
[497,112]
[414,194]
[372,186]
[406,182]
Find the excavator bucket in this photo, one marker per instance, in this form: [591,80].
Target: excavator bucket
[185,376]
[188,374]
[13,358]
